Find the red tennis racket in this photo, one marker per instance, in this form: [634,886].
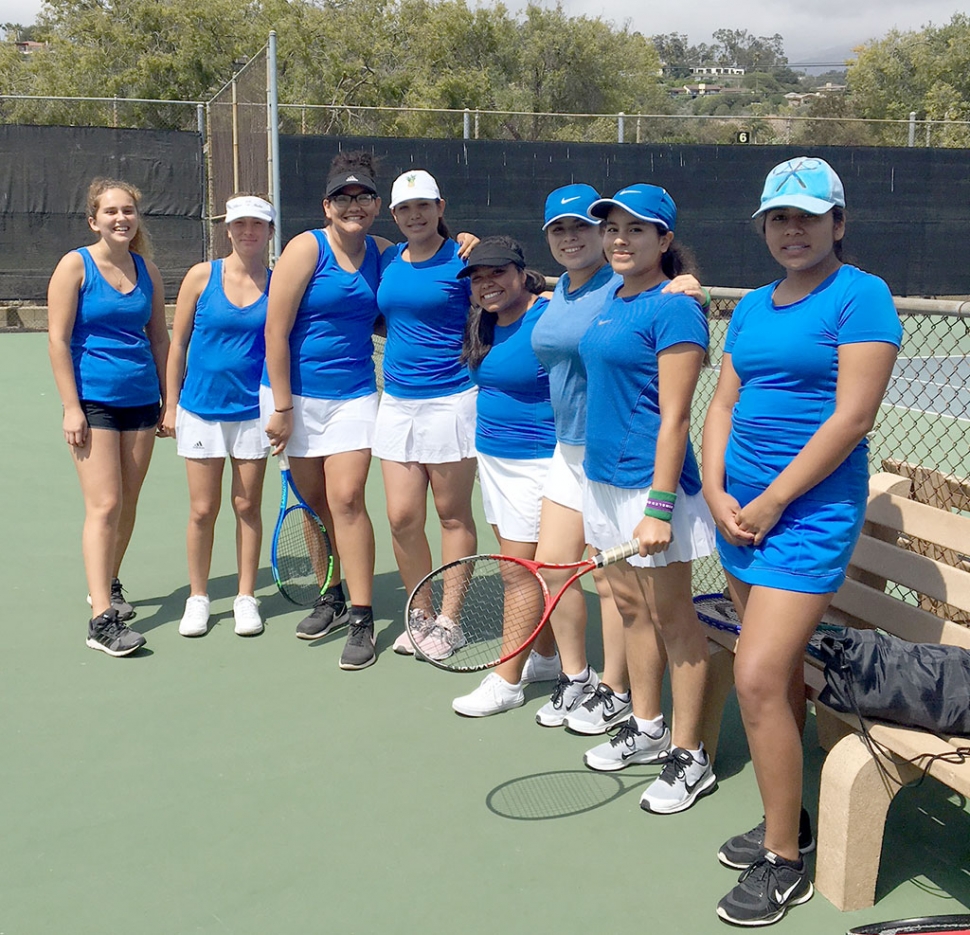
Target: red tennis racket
[482,610]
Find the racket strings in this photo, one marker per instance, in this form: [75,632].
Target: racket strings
[496,603]
[303,555]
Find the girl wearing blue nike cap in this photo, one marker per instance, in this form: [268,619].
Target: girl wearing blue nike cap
[643,354]
[805,366]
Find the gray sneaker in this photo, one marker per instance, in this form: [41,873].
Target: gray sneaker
[567,695]
[741,851]
[329,611]
[681,783]
[118,602]
[599,712]
[108,633]
[359,649]
[629,746]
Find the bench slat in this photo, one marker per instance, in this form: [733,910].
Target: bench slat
[949,530]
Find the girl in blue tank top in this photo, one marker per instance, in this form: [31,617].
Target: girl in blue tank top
[806,363]
[214,368]
[319,399]
[425,431]
[108,342]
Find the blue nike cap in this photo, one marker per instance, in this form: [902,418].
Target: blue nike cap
[647,202]
[570,201]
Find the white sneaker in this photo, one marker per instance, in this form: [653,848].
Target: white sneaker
[567,695]
[683,781]
[539,668]
[493,696]
[195,619]
[629,746]
[421,620]
[599,712]
[245,611]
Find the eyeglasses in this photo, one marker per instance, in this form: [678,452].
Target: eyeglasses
[364,199]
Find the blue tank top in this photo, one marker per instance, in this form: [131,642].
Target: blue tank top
[514,412]
[113,361]
[226,354]
[331,344]
[556,343]
[425,308]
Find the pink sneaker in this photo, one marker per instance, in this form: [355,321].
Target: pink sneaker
[421,622]
[443,638]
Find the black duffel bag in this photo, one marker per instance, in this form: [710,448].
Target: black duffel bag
[875,675]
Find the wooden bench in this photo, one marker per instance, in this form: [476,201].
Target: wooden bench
[854,795]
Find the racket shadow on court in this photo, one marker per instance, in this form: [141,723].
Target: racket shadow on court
[563,793]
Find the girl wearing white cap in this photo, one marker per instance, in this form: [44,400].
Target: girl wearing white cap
[107,341]
[806,363]
[213,370]
[425,432]
[643,355]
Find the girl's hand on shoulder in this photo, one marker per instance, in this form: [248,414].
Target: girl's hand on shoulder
[725,509]
[278,429]
[654,535]
[758,517]
[687,284]
[75,427]
[466,243]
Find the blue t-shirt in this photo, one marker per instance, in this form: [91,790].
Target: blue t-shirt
[112,357]
[226,354]
[331,344]
[425,308]
[556,343]
[786,357]
[619,351]
[514,413]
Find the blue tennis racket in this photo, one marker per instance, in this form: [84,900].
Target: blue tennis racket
[301,555]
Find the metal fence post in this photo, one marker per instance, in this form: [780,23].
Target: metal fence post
[912,128]
[466,124]
[620,127]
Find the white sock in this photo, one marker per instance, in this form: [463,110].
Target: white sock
[652,726]
[582,677]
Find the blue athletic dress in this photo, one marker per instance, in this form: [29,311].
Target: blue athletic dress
[331,343]
[619,351]
[425,308]
[112,357]
[515,417]
[786,357]
[555,340]
[226,355]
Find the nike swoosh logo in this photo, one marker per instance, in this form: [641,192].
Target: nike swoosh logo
[780,898]
[566,201]
[609,717]
[604,321]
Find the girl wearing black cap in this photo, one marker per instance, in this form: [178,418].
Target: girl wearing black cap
[643,355]
[319,395]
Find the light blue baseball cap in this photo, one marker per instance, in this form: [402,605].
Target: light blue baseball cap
[570,201]
[647,202]
[806,183]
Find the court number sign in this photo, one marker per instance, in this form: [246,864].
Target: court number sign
[743,136]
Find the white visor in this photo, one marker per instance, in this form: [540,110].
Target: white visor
[249,206]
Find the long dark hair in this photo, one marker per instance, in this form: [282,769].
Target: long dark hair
[480,325]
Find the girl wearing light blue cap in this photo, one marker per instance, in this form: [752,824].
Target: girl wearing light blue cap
[213,372]
[643,354]
[806,363]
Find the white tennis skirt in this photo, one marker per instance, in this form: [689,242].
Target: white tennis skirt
[512,494]
[610,514]
[429,431]
[566,479]
[199,438]
[323,427]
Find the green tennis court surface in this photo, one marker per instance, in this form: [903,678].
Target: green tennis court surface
[248,786]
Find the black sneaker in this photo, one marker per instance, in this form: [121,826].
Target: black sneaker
[118,602]
[741,851]
[108,633]
[766,891]
[359,649]
[330,610]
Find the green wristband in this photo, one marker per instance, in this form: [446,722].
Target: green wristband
[670,498]
[665,515]
[707,298]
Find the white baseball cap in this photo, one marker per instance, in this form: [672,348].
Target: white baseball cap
[416,185]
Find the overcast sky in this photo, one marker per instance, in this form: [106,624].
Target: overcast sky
[809,28]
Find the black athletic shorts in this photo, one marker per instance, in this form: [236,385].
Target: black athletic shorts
[121,418]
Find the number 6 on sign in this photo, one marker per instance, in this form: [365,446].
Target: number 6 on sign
[483,610]
[301,554]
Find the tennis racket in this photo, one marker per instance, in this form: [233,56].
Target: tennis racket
[482,610]
[718,611]
[301,555]
[923,925]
